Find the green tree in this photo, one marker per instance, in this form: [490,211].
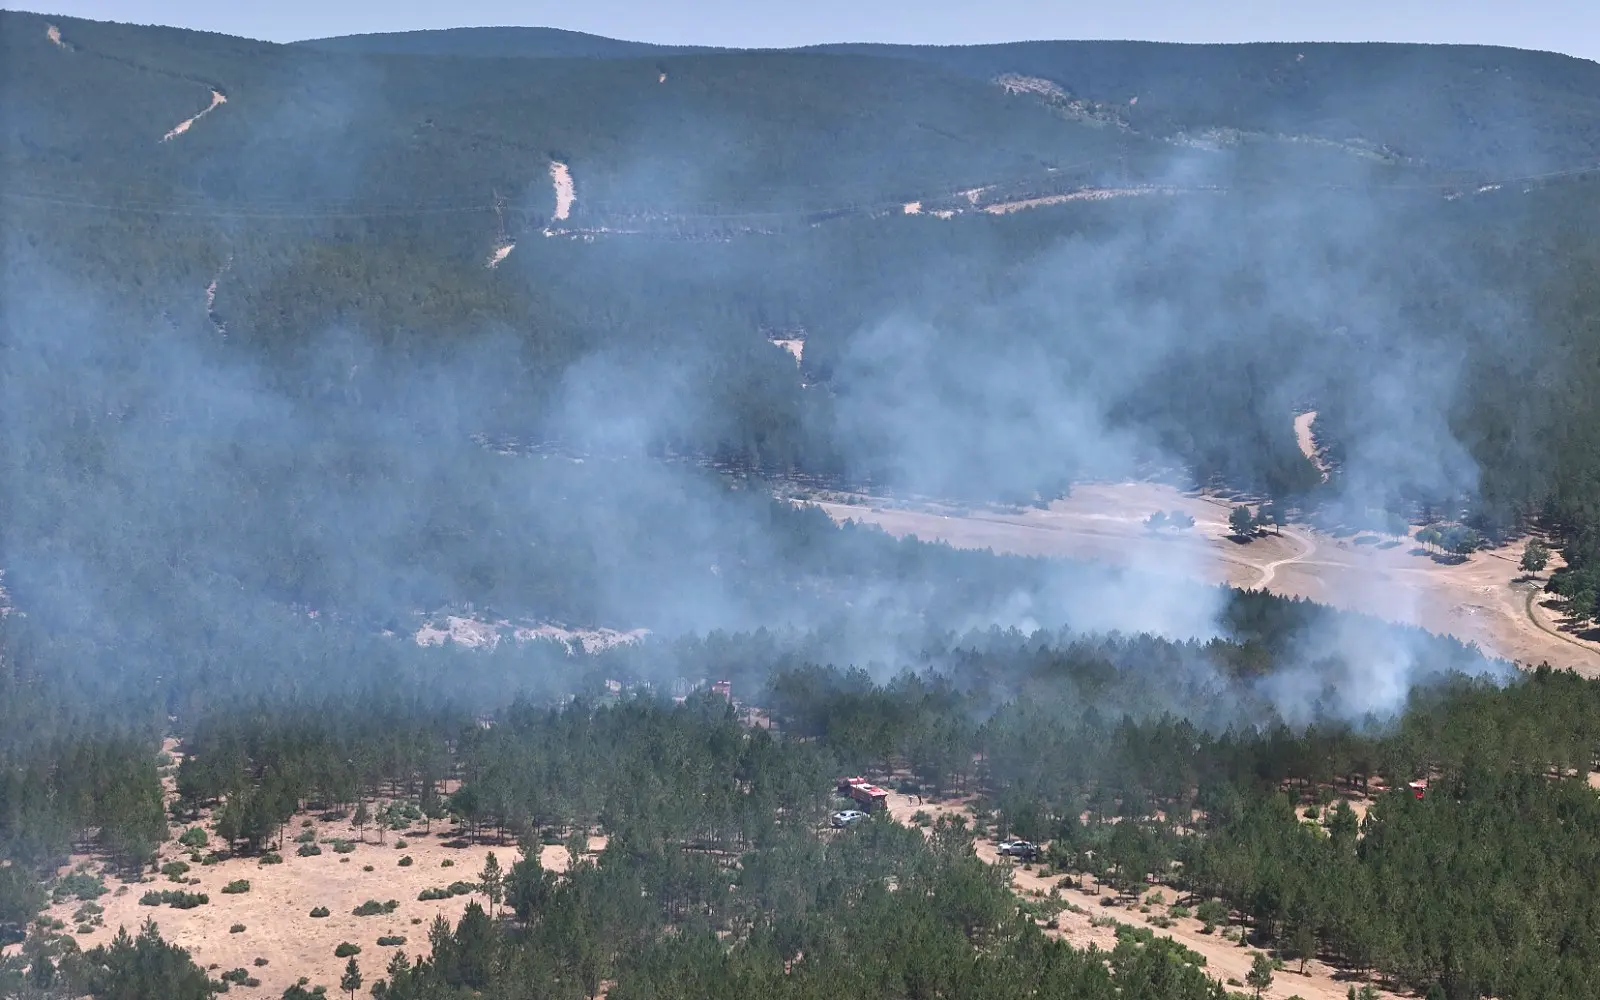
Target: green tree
[1242,521]
[492,881]
[351,980]
[1260,975]
[1535,557]
[361,818]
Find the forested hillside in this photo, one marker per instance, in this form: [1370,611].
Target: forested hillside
[304,346]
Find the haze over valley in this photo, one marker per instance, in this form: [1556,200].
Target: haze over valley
[508,442]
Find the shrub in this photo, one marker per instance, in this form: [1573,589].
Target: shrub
[447,863]
[343,847]
[391,941]
[1177,912]
[462,888]
[319,912]
[85,928]
[271,858]
[175,870]
[406,861]
[366,868]
[175,898]
[80,885]
[237,886]
[306,836]
[401,844]
[260,963]
[236,929]
[194,837]
[309,850]
[372,908]
[921,818]
[237,976]
[429,895]
[346,949]
[1212,911]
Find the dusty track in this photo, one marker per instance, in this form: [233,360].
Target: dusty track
[1483,600]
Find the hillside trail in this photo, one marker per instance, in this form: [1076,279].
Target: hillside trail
[217,100]
[1308,443]
[561,178]
[1225,959]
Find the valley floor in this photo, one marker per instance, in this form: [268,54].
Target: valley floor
[1483,600]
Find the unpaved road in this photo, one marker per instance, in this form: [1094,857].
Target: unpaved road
[1224,959]
[1482,600]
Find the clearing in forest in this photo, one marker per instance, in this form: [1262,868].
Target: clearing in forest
[1085,921]
[276,911]
[1486,599]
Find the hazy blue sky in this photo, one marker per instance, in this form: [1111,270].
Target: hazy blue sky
[1571,26]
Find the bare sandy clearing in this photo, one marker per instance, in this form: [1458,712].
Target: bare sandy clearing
[500,254]
[795,347]
[1482,600]
[217,99]
[561,177]
[276,912]
[1308,443]
[1224,959]
[54,34]
[912,208]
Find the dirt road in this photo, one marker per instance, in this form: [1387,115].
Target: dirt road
[1483,600]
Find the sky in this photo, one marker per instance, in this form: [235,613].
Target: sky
[1570,26]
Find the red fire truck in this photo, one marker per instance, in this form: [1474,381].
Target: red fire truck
[870,797]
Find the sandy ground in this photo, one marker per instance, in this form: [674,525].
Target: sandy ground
[912,208]
[217,99]
[501,253]
[276,910]
[1482,600]
[1224,959]
[54,34]
[561,177]
[1308,443]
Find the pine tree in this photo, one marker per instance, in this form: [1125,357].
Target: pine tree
[492,881]
[1260,975]
[351,980]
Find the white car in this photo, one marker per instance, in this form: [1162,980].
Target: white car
[847,817]
[1019,849]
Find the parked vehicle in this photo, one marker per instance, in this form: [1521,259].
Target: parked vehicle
[1019,849]
[847,817]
